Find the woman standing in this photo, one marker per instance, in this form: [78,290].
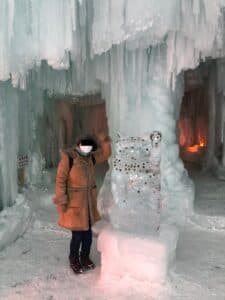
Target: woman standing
[76,195]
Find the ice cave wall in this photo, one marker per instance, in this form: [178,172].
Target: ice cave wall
[19,111]
[131,52]
[8,145]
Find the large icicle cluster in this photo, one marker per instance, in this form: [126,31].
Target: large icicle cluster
[34,30]
[148,22]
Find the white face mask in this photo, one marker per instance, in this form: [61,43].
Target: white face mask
[85,149]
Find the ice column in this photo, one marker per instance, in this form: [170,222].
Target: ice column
[176,187]
[223,131]
[8,145]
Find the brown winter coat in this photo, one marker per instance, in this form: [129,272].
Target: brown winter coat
[76,193]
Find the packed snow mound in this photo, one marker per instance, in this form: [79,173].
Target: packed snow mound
[14,221]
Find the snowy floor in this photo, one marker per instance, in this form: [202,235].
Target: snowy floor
[36,266]
[210,195]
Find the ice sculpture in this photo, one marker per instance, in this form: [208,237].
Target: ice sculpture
[134,241]
[136,183]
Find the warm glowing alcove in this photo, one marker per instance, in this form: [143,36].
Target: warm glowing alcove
[201,116]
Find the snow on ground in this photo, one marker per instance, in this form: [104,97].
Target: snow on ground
[200,271]
[36,265]
[210,201]
[210,195]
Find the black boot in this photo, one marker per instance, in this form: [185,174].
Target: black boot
[87,263]
[76,266]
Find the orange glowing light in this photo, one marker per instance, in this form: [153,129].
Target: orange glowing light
[202,144]
[196,148]
[193,149]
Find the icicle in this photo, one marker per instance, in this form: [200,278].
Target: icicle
[73,14]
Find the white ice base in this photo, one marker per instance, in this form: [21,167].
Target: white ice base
[143,257]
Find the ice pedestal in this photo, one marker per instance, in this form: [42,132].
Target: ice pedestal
[134,242]
[142,257]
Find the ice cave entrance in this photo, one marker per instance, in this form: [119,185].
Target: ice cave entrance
[200,123]
[78,116]
[65,118]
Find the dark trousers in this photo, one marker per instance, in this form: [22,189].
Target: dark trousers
[80,244]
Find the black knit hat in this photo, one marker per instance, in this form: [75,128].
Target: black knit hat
[87,141]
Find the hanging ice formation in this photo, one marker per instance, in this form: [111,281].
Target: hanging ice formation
[130,51]
[35,30]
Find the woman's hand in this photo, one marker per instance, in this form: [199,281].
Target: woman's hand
[102,137]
